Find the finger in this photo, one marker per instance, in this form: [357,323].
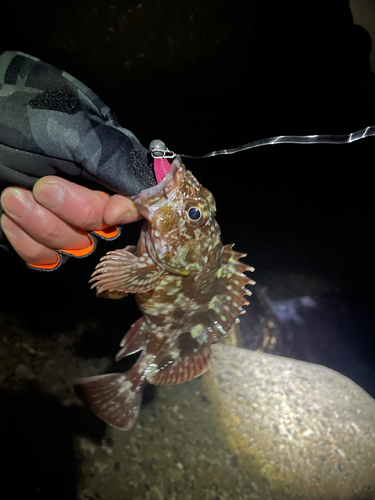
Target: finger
[39,223]
[75,204]
[120,210]
[27,248]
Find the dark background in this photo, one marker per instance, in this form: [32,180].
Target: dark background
[205,75]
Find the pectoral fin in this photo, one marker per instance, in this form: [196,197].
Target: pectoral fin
[121,272]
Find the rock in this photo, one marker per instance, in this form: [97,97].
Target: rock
[24,372]
[155,493]
[231,338]
[304,430]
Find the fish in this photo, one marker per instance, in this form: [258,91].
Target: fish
[190,288]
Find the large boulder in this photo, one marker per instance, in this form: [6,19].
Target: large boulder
[305,430]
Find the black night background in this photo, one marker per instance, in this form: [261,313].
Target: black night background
[207,75]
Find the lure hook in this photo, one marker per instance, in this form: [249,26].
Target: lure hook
[159,149]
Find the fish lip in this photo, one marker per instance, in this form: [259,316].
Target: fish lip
[140,201]
[155,190]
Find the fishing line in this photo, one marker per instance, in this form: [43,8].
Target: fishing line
[158,148]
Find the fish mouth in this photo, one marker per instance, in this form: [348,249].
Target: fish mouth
[146,202]
[146,197]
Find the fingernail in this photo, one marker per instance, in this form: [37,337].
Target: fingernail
[16,202]
[49,195]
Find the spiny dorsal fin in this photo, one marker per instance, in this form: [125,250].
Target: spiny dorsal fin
[225,307]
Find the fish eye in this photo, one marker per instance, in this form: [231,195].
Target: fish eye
[195,213]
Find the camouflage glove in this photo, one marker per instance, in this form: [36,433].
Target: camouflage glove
[52,124]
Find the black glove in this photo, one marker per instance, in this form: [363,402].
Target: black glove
[52,124]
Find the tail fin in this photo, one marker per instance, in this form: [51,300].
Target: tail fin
[115,398]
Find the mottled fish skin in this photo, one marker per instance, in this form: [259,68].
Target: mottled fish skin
[189,287]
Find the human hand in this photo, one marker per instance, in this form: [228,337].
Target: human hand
[57,215]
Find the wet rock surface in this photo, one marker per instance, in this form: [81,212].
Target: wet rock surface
[284,429]
[64,452]
[302,430]
[175,451]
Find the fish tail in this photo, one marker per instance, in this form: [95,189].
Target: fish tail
[115,397]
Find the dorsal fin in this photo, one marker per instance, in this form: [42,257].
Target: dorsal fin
[225,307]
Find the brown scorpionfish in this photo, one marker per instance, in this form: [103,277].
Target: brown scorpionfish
[189,287]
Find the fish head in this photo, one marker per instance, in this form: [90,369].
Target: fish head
[182,231]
